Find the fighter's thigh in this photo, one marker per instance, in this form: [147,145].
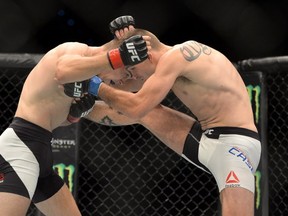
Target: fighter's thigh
[19,168]
[62,202]
[228,169]
[13,204]
[237,201]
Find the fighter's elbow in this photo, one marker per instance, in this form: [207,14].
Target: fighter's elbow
[61,72]
[137,107]
[136,113]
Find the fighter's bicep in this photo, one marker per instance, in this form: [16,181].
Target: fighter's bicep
[158,85]
[155,89]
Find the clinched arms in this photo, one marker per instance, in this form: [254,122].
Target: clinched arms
[79,89]
[132,51]
[84,93]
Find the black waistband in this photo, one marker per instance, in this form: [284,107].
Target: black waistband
[29,130]
[214,133]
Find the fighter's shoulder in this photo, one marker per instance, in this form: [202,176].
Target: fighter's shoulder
[192,49]
[193,45]
[71,44]
[178,50]
[71,48]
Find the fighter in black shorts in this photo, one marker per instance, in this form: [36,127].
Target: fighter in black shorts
[33,145]
[26,172]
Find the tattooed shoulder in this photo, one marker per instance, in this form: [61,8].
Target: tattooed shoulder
[191,50]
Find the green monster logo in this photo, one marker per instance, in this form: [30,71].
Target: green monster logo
[258,188]
[66,172]
[254,93]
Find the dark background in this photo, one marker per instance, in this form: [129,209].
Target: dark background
[241,29]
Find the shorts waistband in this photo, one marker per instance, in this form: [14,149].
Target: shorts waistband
[214,133]
[30,130]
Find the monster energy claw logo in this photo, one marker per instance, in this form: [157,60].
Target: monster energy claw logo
[258,189]
[66,172]
[254,94]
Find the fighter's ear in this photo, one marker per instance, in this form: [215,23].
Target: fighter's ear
[150,57]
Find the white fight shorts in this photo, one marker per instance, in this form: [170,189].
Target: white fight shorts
[230,154]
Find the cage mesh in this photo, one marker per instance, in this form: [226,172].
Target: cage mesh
[127,171]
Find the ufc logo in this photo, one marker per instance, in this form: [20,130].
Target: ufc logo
[131,49]
[77,89]
[209,132]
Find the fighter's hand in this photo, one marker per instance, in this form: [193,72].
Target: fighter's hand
[81,107]
[121,25]
[132,51]
[76,89]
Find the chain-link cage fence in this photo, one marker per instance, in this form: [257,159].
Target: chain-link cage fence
[278,142]
[276,72]
[130,172]
[127,171]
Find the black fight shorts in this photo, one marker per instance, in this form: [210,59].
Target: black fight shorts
[26,162]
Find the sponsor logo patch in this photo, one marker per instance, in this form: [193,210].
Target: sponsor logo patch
[232,180]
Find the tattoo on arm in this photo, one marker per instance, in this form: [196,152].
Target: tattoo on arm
[191,50]
[107,121]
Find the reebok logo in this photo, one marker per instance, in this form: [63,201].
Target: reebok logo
[134,55]
[232,178]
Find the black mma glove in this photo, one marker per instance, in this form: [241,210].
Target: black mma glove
[131,52]
[76,89]
[81,107]
[121,23]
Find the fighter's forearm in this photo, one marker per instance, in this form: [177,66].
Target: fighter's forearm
[71,68]
[128,103]
[105,115]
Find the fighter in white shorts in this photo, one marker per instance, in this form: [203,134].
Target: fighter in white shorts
[231,154]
